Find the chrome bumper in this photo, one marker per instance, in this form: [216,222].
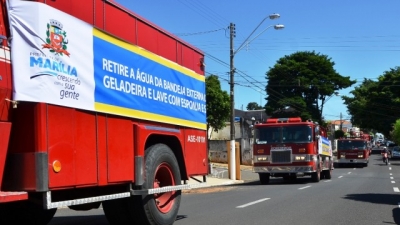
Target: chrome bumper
[282,169]
[352,161]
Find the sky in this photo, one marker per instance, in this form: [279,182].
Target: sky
[362,38]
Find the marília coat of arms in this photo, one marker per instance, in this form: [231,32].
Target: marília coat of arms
[56,39]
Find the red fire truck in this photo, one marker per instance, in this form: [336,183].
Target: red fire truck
[353,151]
[289,148]
[369,139]
[98,106]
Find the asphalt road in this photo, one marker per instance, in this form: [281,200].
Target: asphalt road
[367,195]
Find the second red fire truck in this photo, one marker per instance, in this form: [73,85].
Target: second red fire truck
[353,151]
[289,148]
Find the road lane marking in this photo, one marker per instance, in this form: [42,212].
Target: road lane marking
[391,178]
[349,173]
[354,168]
[393,181]
[304,187]
[390,174]
[327,181]
[396,189]
[252,203]
[390,168]
[340,177]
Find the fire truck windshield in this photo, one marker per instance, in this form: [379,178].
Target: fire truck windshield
[283,134]
[351,144]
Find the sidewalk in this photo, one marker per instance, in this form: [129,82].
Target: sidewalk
[217,177]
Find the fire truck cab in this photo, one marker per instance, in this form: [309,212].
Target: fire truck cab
[290,148]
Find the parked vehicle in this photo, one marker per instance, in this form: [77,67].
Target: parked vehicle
[395,153]
[289,148]
[98,106]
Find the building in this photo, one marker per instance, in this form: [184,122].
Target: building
[243,135]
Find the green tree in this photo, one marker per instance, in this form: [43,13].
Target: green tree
[376,104]
[253,106]
[396,132]
[218,104]
[358,103]
[299,85]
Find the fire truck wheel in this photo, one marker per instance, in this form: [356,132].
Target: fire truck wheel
[316,176]
[25,212]
[161,169]
[328,174]
[264,178]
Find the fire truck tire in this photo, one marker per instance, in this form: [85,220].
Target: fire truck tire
[161,169]
[25,212]
[316,176]
[264,178]
[328,174]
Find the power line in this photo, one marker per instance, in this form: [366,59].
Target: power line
[199,33]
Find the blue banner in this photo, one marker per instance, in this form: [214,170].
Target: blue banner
[134,82]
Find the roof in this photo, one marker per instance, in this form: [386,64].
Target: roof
[247,115]
[338,122]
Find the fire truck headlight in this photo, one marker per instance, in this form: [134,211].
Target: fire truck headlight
[360,156]
[301,157]
[261,158]
[342,155]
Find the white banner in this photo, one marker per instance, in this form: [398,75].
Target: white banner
[52,56]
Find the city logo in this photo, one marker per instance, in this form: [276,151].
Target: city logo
[56,42]
[56,39]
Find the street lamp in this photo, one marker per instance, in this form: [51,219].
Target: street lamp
[232,163]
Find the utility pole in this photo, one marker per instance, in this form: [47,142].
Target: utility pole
[232,29]
[232,157]
[341,123]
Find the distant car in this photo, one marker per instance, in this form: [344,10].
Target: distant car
[390,146]
[395,154]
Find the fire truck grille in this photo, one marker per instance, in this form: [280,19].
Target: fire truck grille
[281,156]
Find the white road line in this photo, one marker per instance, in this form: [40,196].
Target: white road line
[390,168]
[252,203]
[354,168]
[391,178]
[327,181]
[396,189]
[349,173]
[390,174]
[304,187]
[393,181]
[340,177]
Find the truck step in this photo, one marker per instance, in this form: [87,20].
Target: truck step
[12,196]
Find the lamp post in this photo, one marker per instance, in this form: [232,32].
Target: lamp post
[232,162]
